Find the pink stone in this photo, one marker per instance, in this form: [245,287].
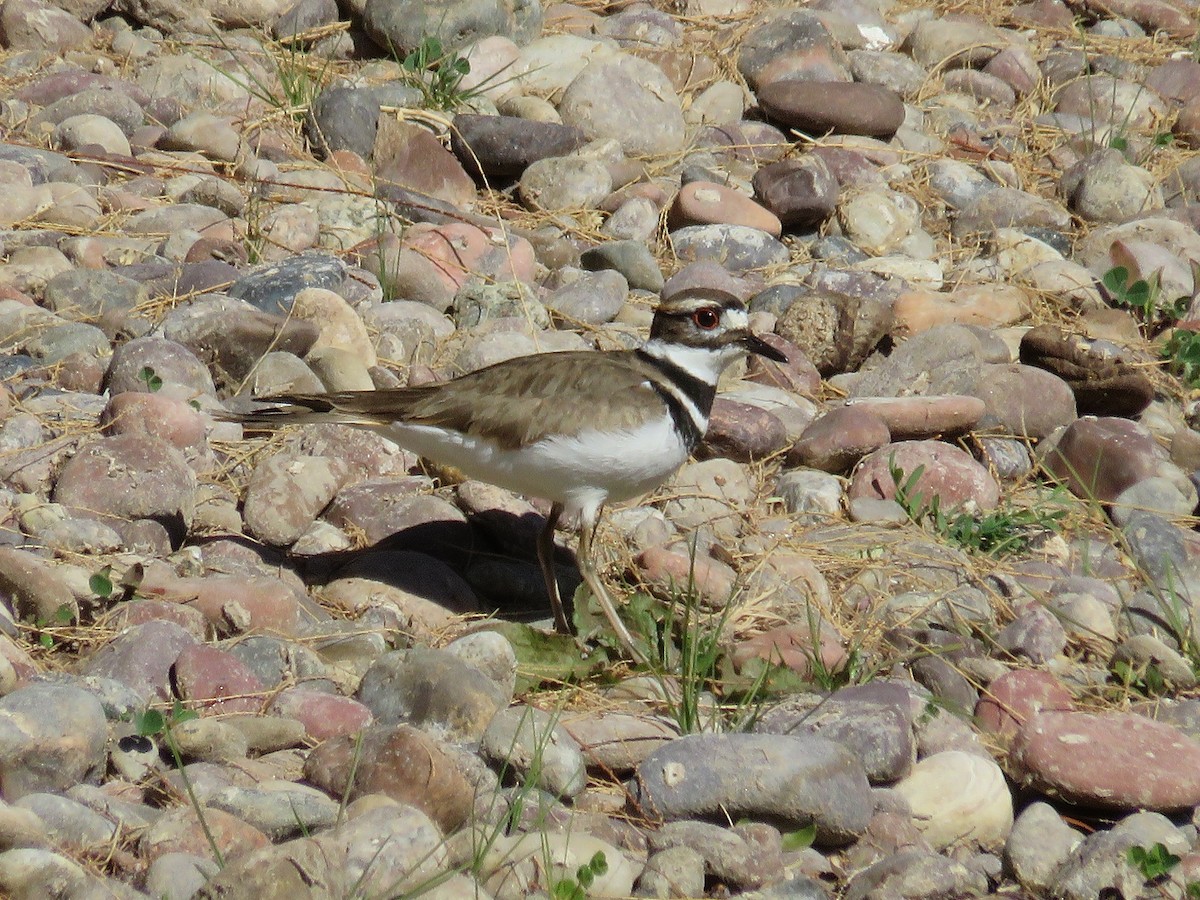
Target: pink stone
[947,472]
[234,604]
[324,716]
[1117,761]
[217,680]
[791,645]
[705,203]
[672,572]
[1017,696]
[168,418]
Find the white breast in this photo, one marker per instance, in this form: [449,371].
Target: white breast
[583,471]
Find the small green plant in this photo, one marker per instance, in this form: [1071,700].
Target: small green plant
[1182,353]
[1001,532]
[576,888]
[1142,295]
[101,584]
[701,688]
[1153,863]
[438,74]
[62,616]
[147,376]
[299,77]
[1145,679]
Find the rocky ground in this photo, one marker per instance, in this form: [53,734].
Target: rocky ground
[925,613]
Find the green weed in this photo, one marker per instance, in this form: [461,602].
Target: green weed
[1000,532]
[1182,353]
[1143,296]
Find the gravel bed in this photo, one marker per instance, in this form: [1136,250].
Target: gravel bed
[924,611]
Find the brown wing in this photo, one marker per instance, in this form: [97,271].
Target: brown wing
[516,402]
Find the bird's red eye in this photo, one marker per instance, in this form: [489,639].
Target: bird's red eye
[707,318]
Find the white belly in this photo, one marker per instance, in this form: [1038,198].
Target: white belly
[582,472]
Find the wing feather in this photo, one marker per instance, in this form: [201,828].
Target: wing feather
[516,402]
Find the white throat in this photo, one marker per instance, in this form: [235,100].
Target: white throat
[702,363]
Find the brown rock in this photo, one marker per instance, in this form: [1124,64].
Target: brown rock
[671,573]
[617,742]
[797,374]
[216,681]
[1099,458]
[1024,401]
[286,493]
[410,157]
[802,192]
[989,305]
[180,830]
[823,107]
[792,645]
[398,761]
[838,328]
[839,439]
[919,417]
[36,590]
[1104,381]
[742,432]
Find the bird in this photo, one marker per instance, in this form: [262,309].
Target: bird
[580,428]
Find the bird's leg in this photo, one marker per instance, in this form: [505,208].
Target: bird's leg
[587,531]
[545,552]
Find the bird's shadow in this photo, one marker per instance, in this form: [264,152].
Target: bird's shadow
[494,553]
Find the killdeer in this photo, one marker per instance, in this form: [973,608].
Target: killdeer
[579,428]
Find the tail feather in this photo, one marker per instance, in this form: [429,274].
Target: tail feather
[344,407]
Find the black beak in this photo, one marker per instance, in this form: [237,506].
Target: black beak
[757,345]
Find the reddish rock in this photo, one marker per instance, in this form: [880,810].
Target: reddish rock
[1042,13]
[1187,125]
[1175,79]
[411,157]
[742,432]
[671,573]
[400,762]
[131,476]
[839,439]
[141,658]
[286,493]
[324,716]
[216,681]
[947,472]
[234,604]
[180,830]
[158,415]
[792,646]
[802,192]
[798,374]
[383,508]
[1119,761]
[139,611]
[705,203]
[1100,458]
[918,417]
